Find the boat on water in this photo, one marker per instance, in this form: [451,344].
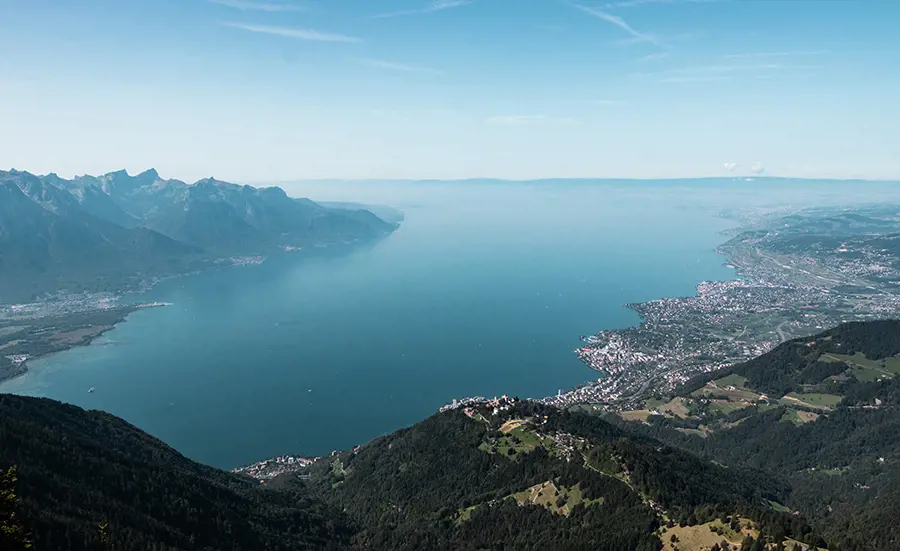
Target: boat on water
[91,390]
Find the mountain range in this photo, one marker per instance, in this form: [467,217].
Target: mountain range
[116,230]
[796,449]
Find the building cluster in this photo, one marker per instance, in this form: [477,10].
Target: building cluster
[470,405]
[241,260]
[60,304]
[270,468]
[783,293]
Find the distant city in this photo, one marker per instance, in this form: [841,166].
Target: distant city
[797,275]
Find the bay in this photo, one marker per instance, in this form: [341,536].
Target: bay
[484,290]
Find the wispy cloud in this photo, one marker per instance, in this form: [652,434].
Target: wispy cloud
[618,22]
[683,80]
[654,57]
[609,102]
[290,32]
[666,39]
[392,66]
[523,120]
[251,5]
[635,3]
[431,7]
[775,54]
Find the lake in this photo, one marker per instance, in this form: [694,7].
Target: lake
[484,290]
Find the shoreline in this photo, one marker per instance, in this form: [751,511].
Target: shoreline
[642,309]
[250,259]
[20,369]
[780,291]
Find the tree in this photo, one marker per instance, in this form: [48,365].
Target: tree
[13,535]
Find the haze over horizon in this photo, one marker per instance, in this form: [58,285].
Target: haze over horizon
[279,90]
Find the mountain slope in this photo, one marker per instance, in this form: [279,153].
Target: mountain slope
[47,242]
[81,470]
[822,412]
[88,480]
[525,476]
[230,218]
[221,216]
[90,195]
[110,232]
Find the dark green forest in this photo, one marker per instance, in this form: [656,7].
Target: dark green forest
[88,480]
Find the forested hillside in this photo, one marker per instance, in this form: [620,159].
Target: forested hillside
[509,475]
[822,413]
[88,480]
[471,480]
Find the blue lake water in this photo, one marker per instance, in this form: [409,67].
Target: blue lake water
[484,290]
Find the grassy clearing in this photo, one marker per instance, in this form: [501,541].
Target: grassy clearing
[729,392]
[636,415]
[337,467]
[557,500]
[732,386]
[779,507]
[465,514]
[732,380]
[798,417]
[677,407]
[868,374]
[520,439]
[512,424]
[726,406]
[703,536]
[695,432]
[528,437]
[834,472]
[815,400]
[887,367]
[653,403]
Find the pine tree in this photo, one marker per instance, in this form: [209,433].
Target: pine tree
[13,535]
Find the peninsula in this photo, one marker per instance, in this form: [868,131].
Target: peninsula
[797,275]
[25,336]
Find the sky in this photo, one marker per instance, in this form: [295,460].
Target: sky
[279,90]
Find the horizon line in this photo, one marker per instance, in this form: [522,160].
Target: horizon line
[748,178]
[738,178]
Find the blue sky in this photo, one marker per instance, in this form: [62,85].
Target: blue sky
[271,90]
